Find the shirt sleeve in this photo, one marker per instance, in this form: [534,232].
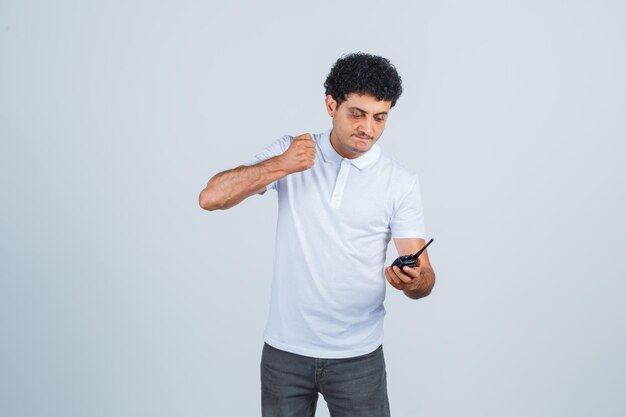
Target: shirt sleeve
[408,218]
[274,149]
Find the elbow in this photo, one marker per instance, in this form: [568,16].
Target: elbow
[207,203]
[432,285]
[429,290]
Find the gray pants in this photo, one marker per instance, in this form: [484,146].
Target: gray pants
[352,387]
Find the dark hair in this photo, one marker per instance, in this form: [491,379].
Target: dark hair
[363,73]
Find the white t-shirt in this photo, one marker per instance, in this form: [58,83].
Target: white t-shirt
[335,221]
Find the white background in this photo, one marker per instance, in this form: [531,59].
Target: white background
[119,296]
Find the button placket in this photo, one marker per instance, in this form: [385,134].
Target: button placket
[340,183]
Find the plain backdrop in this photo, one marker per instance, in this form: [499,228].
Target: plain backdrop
[120,297]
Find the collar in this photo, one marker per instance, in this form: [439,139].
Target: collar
[330,154]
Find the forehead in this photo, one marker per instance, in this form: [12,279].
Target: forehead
[366,102]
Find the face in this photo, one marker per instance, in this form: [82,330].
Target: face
[357,123]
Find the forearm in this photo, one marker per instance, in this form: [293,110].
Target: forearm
[229,188]
[426,284]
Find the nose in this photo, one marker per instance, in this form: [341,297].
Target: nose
[367,126]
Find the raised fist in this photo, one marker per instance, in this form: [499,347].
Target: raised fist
[300,155]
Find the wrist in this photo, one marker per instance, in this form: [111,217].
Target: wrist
[279,165]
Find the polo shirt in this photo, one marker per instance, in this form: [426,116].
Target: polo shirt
[334,223]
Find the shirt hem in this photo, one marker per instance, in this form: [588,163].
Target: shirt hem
[324,354]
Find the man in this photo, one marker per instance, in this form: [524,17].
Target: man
[340,202]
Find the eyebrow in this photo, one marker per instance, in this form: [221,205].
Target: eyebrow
[363,111]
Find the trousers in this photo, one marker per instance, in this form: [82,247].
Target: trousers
[352,387]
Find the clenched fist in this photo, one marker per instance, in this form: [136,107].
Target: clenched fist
[300,155]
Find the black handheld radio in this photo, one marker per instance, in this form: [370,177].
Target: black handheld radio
[410,260]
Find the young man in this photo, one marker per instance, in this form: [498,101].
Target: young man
[341,200]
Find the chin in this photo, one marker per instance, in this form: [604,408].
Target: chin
[361,148]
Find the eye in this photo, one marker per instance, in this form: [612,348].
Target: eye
[356,115]
[380,119]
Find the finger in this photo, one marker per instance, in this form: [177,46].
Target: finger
[392,274]
[305,152]
[305,137]
[305,144]
[412,272]
[388,275]
[390,280]
[394,285]
[401,275]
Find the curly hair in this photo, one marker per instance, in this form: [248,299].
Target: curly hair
[363,73]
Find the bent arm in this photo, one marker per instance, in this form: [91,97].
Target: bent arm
[425,281]
[229,188]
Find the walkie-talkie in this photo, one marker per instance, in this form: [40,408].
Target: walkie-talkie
[410,260]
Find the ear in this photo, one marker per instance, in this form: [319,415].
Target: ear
[331,105]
